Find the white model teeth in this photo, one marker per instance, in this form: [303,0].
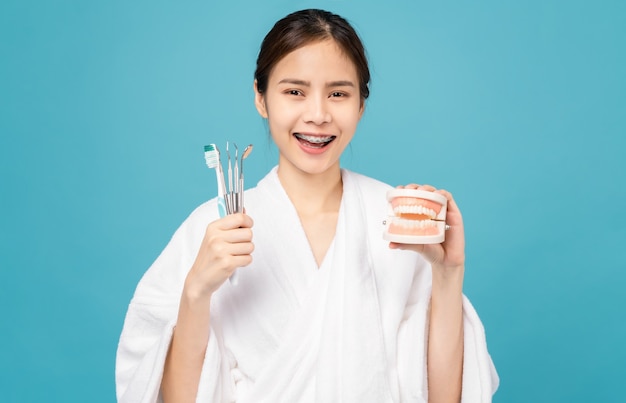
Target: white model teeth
[315,139]
[415,209]
[414,224]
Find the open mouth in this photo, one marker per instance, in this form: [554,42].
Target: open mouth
[416,216]
[312,141]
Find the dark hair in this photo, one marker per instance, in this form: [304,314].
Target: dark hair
[302,28]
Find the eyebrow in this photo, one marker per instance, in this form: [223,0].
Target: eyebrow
[339,83]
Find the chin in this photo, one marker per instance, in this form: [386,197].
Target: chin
[310,167]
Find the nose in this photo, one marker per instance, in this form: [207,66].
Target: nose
[317,111]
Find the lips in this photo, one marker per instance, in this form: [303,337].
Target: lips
[314,140]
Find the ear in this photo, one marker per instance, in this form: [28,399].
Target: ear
[361,108]
[259,102]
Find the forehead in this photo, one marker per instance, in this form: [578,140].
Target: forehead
[323,60]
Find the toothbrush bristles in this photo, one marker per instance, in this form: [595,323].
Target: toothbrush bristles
[211,155]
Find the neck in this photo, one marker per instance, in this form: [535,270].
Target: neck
[312,193]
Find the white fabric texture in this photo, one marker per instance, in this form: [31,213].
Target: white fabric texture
[352,330]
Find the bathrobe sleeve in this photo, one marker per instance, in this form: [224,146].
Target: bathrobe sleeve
[151,319]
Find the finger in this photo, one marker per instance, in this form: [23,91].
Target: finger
[241,249]
[453,208]
[237,235]
[236,220]
[226,256]
[444,193]
[242,260]
[428,188]
[409,186]
[230,263]
[234,260]
[452,203]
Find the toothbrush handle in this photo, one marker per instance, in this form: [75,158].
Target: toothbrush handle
[223,212]
[221,208]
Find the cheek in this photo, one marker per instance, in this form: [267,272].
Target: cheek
[278,119]
[280,123]
[350,117]
[279,108]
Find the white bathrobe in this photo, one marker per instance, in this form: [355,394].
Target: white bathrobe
[351,330]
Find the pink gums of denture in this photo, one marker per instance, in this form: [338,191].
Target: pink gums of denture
[398,228]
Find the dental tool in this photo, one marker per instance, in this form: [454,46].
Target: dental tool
[228,201]
[229,195]
[236,178]
[244,155]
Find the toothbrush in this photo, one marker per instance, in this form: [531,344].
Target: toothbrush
[212,158]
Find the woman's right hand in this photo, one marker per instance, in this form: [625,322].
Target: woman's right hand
[227,245]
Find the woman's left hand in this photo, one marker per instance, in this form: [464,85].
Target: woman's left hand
[449,254]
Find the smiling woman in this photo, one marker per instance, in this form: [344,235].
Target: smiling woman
[324,310]
[313,106]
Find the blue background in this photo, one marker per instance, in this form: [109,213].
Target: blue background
[519,108]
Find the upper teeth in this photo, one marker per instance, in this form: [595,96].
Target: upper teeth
[415,210]
[315,139]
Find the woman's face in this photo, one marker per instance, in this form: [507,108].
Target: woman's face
[313,106]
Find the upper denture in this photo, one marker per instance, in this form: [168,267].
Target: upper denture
[415,208]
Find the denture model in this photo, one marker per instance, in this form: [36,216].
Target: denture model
[416,217]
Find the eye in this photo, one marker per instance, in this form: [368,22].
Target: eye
[294,92]
[337,94]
